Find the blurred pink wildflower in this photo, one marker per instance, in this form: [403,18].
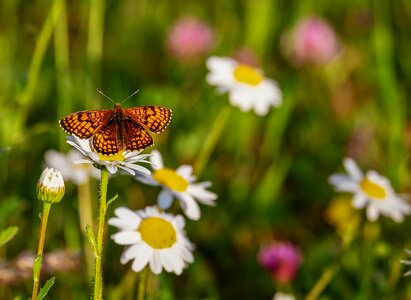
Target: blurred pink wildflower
[313,40]
[190,38]
[281,259]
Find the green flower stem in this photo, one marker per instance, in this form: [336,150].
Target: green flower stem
[212,139]
[98,272]
[322,283]
[142,284]
[39,258]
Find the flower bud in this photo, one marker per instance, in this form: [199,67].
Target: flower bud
[50,187]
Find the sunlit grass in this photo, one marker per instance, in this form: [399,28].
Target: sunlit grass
[270,172]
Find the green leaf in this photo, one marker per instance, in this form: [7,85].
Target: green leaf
[112,200]
[7,234]
[91,239]
[45,289]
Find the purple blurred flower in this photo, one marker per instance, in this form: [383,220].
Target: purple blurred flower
[312,41]
[190,38]
[281,259]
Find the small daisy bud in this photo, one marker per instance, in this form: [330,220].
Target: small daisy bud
[50,187]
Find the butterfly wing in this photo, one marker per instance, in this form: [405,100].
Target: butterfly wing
[85,124]
[152,118]
[136,137]
[105,140]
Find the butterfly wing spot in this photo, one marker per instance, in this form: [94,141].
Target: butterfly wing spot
[152,118]
[105,140]
[137,138]
[85,124]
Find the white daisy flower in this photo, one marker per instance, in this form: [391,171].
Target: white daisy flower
[154,238]
[50,187]
[125,161]
[247,87]
[78,173]
[180,184]
[372,191]
[283,296]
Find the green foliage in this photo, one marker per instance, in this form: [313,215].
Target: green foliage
[8,234]
[46,288]
[270,173]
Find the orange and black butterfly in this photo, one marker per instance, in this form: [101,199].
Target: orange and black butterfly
[118,129]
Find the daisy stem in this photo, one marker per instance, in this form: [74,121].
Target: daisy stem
[142,284]
[322,282]
[212,139]
[98,274]
[39,258]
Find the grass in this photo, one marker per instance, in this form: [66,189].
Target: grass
[270,173]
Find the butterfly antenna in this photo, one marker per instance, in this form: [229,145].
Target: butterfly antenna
[130,96]
[98,90]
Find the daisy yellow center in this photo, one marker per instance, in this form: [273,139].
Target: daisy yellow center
[115,157]
[170,179]
[372,189]
[157,233]
[247,74]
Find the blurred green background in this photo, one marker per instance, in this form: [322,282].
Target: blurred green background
[270,173]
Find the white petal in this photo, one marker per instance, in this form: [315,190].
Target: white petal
[146,179]
[127,169]
[142,258]
[241,98]
[344,183]
[128,215]
[189,206]
[121,224]
[111,168]
[215,63]
[372,213]
[156,160]
[166,260]
[185,171]
[140,169]
[397,216]
[180,222]
[359,201]
[336,179]
[126,237]
[353,170]
[57,160]
[155,263]
[165,199]
[82,161]
[202,195]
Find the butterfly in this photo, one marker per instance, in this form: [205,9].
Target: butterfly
[118,129]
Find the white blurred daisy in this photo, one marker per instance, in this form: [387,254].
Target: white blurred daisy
[154,238]
[246,85]
[78,173]
[283,296]
[180,184]
[372,191]
[125,161]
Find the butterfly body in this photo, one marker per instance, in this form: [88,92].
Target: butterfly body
[118,129]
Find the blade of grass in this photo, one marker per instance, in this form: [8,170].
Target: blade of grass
[61,46]
[393,106]
[94,47]
[26,98]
